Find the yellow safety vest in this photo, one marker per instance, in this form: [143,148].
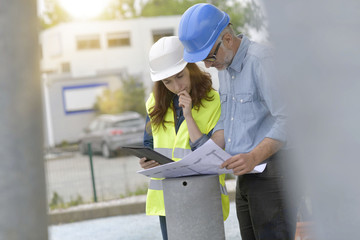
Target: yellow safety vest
[176,146]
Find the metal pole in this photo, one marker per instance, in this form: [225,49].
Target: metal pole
[92,171]
[22,186]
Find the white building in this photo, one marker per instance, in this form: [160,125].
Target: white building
[98,47]
[79,59]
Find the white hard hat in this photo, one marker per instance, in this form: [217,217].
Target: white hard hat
[166,58]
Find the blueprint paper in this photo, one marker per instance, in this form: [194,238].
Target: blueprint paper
[204,160]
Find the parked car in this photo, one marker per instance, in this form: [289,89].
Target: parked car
[107,133]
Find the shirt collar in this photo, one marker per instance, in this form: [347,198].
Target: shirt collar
[176,102]
[240,54]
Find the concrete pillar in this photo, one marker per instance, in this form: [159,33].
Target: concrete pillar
[193,208]
[22,185]
[317,44]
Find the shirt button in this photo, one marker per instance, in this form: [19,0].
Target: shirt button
[232,119]
[241,100]
[229,140]
[233,98]
[232,77]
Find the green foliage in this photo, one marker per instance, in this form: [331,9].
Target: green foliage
[53,15]
[120,9]
[130,97]
[75,202]
[242,15]
[139,191]
[63,144]
[166,7]
[58,202]
[109,102]
[254,15]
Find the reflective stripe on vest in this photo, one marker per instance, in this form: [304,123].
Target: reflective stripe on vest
[181,153]
[178,152]
[167,152]
[156,184]
[223,190]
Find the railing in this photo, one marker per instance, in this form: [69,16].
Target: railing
[74,179]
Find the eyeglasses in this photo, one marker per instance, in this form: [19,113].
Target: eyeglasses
[213,57]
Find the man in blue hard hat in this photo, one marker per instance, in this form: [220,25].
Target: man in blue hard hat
[252,122]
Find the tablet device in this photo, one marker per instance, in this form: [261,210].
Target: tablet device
[150,154]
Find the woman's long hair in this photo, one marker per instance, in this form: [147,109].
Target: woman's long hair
[201,85]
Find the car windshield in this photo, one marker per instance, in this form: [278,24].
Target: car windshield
[128,123]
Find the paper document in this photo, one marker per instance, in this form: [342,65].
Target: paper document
[204,160]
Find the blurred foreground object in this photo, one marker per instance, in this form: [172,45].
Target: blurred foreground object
[319,61]
[22,186]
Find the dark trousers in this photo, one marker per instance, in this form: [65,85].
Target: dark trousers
[265,207]
[163,227]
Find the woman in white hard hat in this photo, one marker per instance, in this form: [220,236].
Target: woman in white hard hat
[182,91]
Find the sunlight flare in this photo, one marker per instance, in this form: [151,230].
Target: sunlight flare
[84,9]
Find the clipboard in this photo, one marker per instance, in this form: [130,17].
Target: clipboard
[150,154]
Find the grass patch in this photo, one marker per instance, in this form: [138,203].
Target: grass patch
[57,202]
[139,191]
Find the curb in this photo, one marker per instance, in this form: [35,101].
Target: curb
[126,206]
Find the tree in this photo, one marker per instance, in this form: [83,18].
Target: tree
[130,97]
[166,7]
[133,92]
[120,9]
[242,16]
[53,15]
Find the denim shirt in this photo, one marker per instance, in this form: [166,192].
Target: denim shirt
[148,139]
[251,106]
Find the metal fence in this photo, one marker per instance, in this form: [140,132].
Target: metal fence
[69,177]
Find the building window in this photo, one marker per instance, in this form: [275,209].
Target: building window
[119,39]
[88,42]
[65,67]
[159,33]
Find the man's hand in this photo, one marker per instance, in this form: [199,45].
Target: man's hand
[148,164]
[245,162]
[241,163]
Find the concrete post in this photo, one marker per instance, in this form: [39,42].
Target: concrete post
[318,53]
[193,208]
[22,185]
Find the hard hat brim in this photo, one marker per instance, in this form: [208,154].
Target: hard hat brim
[161,75]
[198,56]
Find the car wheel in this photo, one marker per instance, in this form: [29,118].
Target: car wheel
[106,152]
[83,148]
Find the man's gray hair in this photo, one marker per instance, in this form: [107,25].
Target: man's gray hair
[227,29]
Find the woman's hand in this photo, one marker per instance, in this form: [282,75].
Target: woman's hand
[146,164]
[186,103]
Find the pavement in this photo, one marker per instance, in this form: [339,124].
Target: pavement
[120,219]
[126,206]
[127,227]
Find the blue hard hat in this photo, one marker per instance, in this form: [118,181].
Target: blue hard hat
[199,28]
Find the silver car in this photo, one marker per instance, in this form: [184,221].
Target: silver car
[107,133]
